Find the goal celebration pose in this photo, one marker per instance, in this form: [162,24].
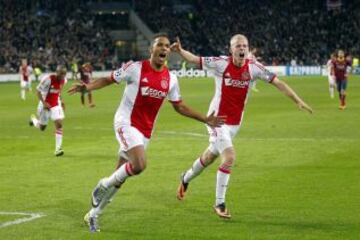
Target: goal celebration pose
[233,77]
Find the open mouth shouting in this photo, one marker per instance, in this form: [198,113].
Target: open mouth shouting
[162,56]
[242,55]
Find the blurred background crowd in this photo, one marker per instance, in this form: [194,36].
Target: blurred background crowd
[285,32]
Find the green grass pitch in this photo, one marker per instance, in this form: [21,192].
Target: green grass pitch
[297,175]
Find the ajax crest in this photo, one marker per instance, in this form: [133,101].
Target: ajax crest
[164,84]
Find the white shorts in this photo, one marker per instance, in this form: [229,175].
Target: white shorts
[331,80]
[128,138]
[25,84]
[55,113]
[221,137]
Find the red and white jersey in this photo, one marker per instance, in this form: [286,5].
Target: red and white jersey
[144,94]
[232,85]
[25,72]
[50,88]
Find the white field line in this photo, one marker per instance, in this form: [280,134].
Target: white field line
[29,217]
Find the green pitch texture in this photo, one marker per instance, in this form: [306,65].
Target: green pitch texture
[297,175]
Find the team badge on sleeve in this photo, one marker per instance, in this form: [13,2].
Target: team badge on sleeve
[118,73]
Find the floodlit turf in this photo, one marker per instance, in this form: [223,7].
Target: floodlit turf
[296,175]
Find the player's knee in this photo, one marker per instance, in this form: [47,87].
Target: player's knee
[228,162]
[207,159]
[58,125]
[138,167]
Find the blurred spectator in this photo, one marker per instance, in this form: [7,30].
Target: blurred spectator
[283,30]
[51,33]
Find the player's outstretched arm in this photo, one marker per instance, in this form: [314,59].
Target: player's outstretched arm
[284,88]
[186,55]
[288,91]
[96,84]
[211,120]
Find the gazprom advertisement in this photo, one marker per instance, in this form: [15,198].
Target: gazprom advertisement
[194,73]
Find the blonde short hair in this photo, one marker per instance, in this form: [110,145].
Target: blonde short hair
[236,37]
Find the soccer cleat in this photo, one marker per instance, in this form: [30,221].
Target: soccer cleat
[91,222]
[182,188]
[98,194]
[342,107]
[59,152]
[222,211]
[31,122]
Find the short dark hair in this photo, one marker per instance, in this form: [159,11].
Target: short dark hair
[158,35]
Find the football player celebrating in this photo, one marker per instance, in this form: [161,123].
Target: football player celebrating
[148,84]
[233,76]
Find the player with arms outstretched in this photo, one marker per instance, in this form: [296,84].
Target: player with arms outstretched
[51,106]
[148,84]
[233,75]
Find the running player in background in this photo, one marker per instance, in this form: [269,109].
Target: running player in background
[25,78]
[233,75]
[340,70]
[85,78]
[331,78]
[148,84]
[51,106]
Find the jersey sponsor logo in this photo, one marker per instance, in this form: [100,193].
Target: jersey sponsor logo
[144,80]
[236,83]
[164,84]
[150,92]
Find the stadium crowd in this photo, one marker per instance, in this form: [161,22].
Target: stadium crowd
[303,31]
[50,33]
[54,32]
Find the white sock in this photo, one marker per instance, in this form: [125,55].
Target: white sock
[195,170]
[22,93]
[222,180]
[35,122]
[119,176]
[94,212]
[331,90]
[58,139]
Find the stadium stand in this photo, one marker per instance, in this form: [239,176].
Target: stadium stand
[51,32]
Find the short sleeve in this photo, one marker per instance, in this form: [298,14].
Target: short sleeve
[174,95]
[258,71]
[124,73]
[44,85]
[211,63]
